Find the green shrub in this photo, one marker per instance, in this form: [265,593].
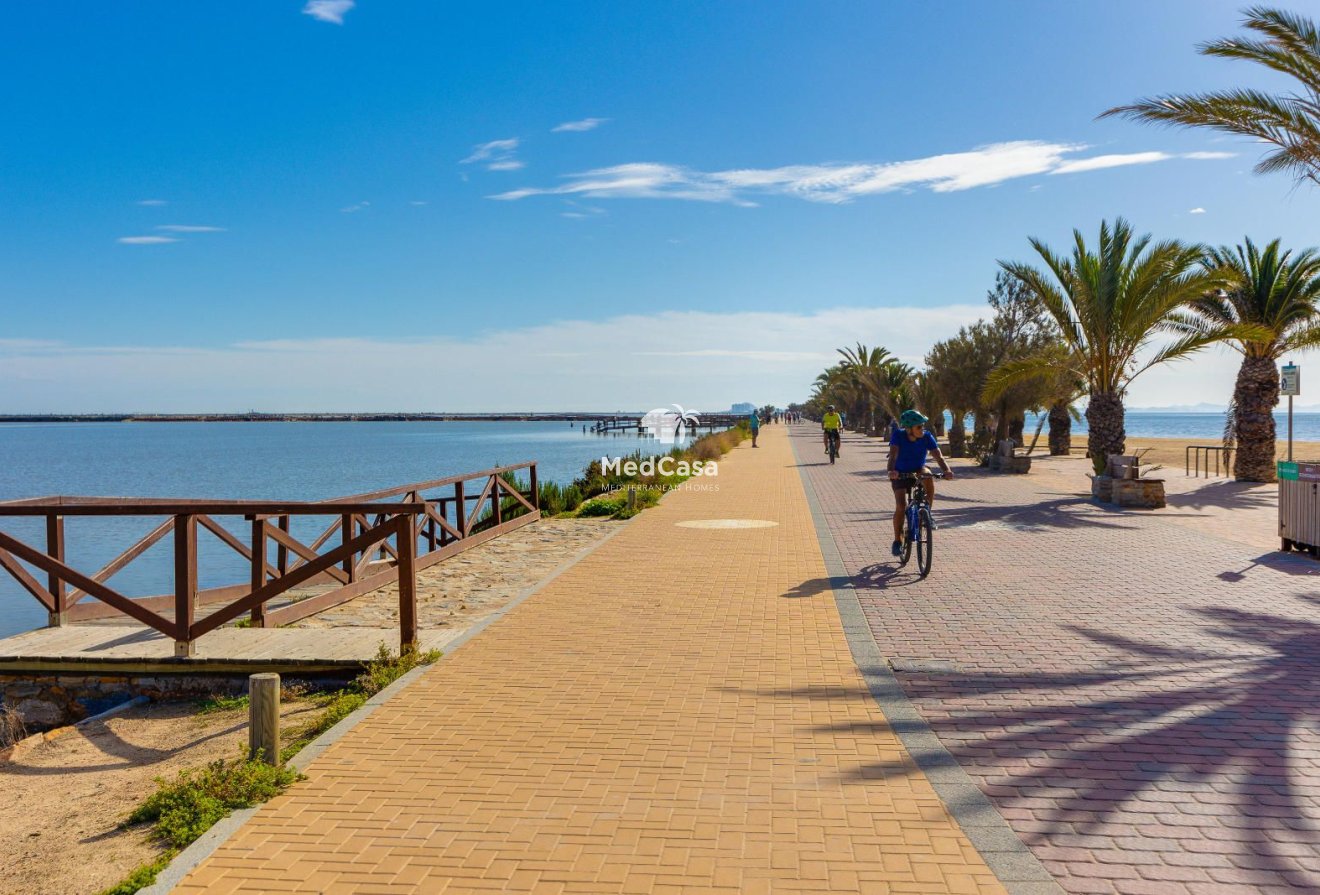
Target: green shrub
[601,507]
[572,498]
[222,703]
[185,808]
[143,876]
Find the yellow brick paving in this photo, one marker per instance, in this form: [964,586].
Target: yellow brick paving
[677,713]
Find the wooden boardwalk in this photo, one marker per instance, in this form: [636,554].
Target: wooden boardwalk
[125,648]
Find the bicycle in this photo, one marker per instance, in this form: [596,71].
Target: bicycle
[832,444]
[918,525]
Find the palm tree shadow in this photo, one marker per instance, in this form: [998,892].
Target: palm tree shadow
[1165,725]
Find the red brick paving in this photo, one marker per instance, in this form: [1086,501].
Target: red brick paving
[1137,697]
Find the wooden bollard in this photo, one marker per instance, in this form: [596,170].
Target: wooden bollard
[632,498]
[264,718]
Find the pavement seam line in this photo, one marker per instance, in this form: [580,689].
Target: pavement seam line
[188,860]
[1007,856]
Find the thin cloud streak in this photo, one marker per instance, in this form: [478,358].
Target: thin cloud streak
[331,11]
[145,240]
[577,127]
[497,154]
[152,203]
[189,228]
[837,183]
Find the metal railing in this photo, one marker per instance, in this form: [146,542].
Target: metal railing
[1195,453]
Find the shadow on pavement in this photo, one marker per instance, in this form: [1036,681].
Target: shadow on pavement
[1221,748]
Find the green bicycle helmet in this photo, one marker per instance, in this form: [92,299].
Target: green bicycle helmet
[910,418]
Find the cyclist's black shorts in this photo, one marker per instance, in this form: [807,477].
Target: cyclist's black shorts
[907,480]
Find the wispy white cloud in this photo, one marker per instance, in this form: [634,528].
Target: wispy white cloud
[586,124]
[498,155]
[332,11]
[841,182]
[1197,210]
[189,228]
[1100,162]
[152,202]
[355,207]
[419,202]
[1209,155]
[145,240]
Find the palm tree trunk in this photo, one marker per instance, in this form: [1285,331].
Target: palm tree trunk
[1017,424]
[1256,393]
[1060,429]
[957,436]
[1104,418]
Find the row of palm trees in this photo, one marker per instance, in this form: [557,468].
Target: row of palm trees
[1117,309]
[1127,304]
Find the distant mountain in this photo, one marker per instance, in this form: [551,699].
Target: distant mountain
[1219,408]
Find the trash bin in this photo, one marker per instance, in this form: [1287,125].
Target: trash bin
[1299,506]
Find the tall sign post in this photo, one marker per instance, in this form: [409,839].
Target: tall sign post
[1290,384]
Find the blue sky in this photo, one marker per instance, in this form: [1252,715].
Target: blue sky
[239,205]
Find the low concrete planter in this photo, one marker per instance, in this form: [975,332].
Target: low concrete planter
[1141,493]
[1102,488]
[1016,465]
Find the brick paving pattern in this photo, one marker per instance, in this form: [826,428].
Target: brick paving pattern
[1138,697]
[677,713]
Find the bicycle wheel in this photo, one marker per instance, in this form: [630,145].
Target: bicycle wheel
[834,450]
[905,551]
[925,542]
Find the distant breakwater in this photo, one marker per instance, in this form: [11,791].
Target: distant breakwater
[312,417]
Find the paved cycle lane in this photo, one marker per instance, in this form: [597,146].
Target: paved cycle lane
[1137,698]
[678,712]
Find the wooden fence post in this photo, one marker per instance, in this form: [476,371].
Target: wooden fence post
[346,533]
[264,718]
[461,502]
[55,550]
[536,491]
[259,536]
[407,583]
[185,583]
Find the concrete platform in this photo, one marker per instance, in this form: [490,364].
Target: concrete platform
[124,649]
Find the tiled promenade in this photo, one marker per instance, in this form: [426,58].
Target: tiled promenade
[1138,693]
[677,713]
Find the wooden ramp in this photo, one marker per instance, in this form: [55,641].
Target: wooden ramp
[126,649]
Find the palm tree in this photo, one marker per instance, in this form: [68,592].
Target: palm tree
[929,399]
[1109,304]
[884,380]
[1058,382]
[1270,306]
[1287,43]
[957,369]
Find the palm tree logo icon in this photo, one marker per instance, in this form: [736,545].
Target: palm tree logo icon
[671,426]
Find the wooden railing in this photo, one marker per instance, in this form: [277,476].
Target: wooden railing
[371,539]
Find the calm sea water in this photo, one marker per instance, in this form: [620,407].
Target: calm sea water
[1306,426]
[278,461]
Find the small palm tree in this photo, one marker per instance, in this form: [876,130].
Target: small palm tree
[1109,304]
[1059,380]
[1270,307]
[1287,43]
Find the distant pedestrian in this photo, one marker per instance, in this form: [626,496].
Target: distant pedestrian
[755,422]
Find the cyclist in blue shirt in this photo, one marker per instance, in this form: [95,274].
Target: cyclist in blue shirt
[908,448]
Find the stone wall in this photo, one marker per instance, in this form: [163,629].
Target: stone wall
[44,701]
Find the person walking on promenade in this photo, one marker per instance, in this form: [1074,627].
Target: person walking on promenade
[754,421]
